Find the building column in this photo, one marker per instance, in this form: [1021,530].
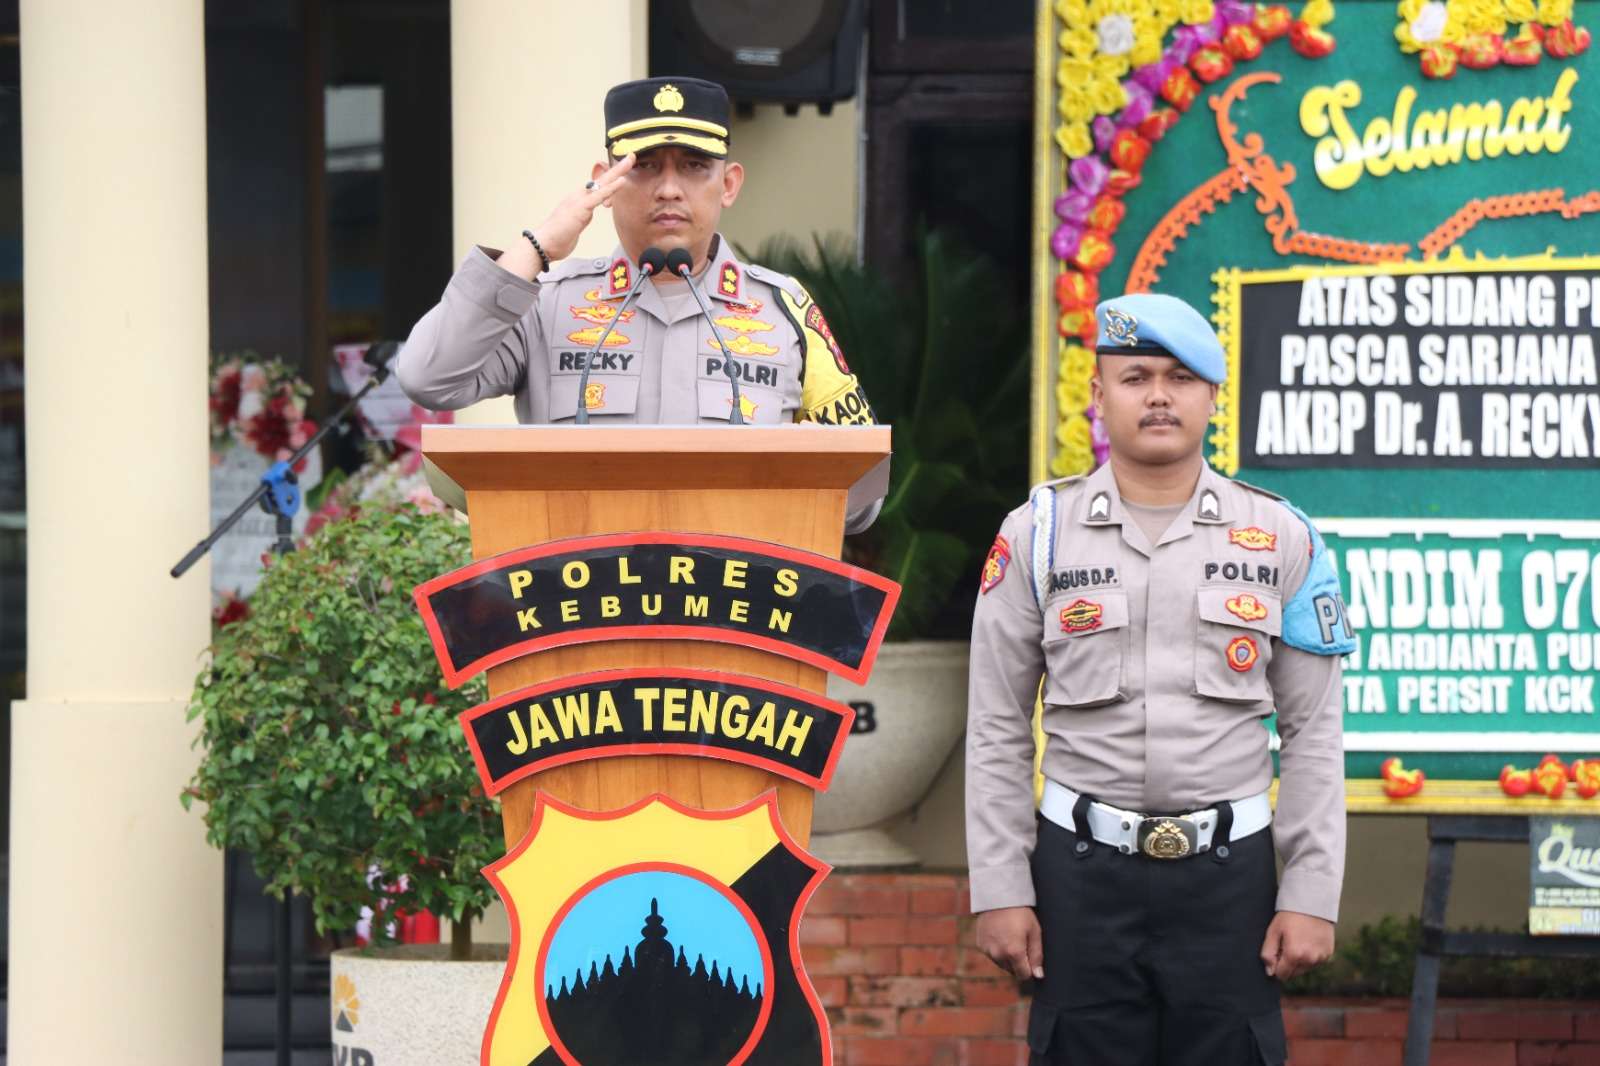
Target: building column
[116,900]
[527,85]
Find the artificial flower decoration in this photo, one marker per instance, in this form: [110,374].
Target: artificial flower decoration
[1107,214]
[1095,252]
[1307,35]
[1271,21]
[1156,124]
[1586,777]
[1550,777]
[1129,151]
[1514,782]
[1121,181]
[1077,322]
[1077,289]
[1398,782]
[1211,63]
[1525,49]
[1480,51]
[1241,42]
[1439,61]
[1566,40]
[1180,89]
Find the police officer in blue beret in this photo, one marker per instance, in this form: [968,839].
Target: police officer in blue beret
[1168,611]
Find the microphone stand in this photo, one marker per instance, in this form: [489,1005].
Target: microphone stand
[279,495]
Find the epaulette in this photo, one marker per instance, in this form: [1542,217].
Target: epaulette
[778,281]
[1043,498]
[1258,490]
[576,267]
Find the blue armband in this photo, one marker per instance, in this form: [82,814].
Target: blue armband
[1314,620]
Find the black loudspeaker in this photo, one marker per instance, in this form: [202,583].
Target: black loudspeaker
[762,51]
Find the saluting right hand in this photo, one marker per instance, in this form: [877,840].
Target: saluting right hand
[559,233]
[1011,937]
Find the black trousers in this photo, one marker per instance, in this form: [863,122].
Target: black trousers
[1151,962]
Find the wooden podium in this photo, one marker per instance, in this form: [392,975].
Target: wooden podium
[788,485]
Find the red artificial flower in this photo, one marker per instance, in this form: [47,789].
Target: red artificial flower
[1180,89]
[1121,181]
[1514,782]
[1566,40]
[1095,252]
[1525,49]
[1241,42]
[1309,41]
[1481,51]
[1076,289]
[1550,777]
[1439,61]
[1078,322]
[1398,782]
[1272,21]
[1107,213]
[1128,151]
[1211,63]
[1156,124]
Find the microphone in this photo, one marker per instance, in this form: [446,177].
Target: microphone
[651,260]
[379,356]
[681,263]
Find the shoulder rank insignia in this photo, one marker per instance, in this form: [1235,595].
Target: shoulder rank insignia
[1253,538]
[1100,507]
[1210,507]
[995,566]
[728,279]
[619,277]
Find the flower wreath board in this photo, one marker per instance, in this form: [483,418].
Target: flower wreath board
[1392,212]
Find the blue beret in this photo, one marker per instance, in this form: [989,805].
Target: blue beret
[1165,325]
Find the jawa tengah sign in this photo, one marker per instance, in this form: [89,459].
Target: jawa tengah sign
[775,727]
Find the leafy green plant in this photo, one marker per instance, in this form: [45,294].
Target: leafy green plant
[944,362]
[1380,959]
[331,747]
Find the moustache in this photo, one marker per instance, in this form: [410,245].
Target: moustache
[1159,420]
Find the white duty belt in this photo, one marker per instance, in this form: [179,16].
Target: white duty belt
[1156,836]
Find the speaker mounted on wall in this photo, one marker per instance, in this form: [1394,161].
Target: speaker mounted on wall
[790,52]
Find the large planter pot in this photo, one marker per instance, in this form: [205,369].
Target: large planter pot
[909,717]
[411,1006]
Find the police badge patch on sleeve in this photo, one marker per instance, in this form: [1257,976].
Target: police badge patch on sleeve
[995,566]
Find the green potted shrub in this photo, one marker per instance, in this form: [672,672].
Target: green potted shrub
[331,753]
[945,362]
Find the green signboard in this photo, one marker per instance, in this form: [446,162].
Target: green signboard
[1390,209]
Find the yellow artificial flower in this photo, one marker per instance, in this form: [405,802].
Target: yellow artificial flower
[1146,48]
[1072,12]
[1521,10]
[1317,13]
[1074,140]
[1554,12]
[1077,362]
[1076,105]
[1079,43]
[1108,96]
[1195,12]
[1074,73]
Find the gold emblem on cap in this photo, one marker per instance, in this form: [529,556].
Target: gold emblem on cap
[668,98]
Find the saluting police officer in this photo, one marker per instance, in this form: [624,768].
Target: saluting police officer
[519,321]
[1169,611]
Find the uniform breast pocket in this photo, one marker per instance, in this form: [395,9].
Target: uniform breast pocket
[605,394]
[1086,649]
[1233,643]
[760,405]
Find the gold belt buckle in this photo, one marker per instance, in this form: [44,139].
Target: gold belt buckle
[1168,838]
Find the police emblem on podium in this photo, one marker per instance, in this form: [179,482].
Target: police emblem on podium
[656,727]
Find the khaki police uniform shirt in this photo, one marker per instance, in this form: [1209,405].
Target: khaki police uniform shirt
[495,334]
[1141,707]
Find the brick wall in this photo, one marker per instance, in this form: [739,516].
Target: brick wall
[892,958]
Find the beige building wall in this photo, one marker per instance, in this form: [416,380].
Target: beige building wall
[115,951]
[801,174]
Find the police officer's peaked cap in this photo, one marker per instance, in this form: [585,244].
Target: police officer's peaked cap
[1150,323]
[687,112]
